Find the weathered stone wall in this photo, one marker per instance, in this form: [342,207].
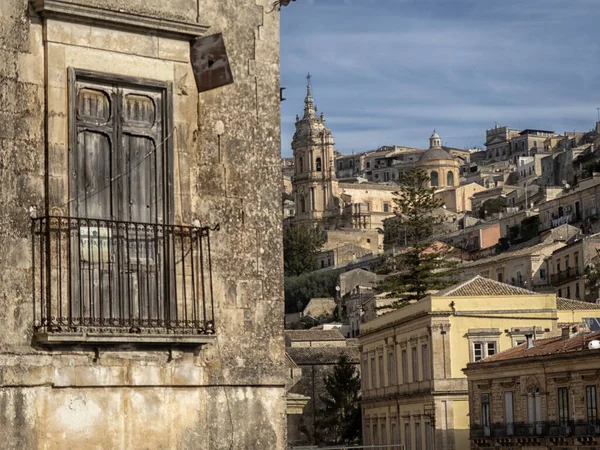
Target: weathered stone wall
[226,147]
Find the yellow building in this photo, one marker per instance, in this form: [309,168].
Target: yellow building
[413,388]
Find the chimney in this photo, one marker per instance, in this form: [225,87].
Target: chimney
[529,338]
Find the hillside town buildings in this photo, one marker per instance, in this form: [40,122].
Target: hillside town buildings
[141,230]
[520,219]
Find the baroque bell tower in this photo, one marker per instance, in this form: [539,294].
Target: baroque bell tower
[314,183]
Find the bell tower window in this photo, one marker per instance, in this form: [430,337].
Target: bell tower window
[318,164]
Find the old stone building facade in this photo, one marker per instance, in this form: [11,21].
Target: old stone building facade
[129,317]
[541,394]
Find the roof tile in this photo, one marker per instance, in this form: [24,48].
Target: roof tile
[479,285]
[568,304]
[544,347]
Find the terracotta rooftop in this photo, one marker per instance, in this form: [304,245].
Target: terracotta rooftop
[544,347]
[565,303]
[532,250]
[479,285]
[322,355]
[313,335]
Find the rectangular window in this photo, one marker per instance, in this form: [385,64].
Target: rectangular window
[381,372]
[477,351]
[485,414]
[365,374]
[367,437]
[386,207]
[576,257]
[404,367]
[563,404]
[383,433]
[500,277]
[395,432]
[391,368]
[418,436]
[373,377]
[591,403]
[428,436]
[483,350]
[543,274]
[568,291]
[509,413]
[375,433]
[577,290]
[567,262]
[425,361]
[415,364]
[407,439]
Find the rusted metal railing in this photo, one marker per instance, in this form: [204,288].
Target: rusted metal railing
[108,275]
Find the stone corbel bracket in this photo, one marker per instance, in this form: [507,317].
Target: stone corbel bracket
[89,15]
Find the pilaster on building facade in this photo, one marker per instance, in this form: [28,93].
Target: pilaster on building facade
[314,182]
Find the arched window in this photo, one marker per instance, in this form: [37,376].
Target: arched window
[302,203]
[450,179]
[434,178]
[300,168]
[318,164]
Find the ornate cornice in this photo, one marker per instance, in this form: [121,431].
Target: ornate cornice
[72,12]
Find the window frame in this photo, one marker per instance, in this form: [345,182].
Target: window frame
[591,410]
[562,404]
[75,75]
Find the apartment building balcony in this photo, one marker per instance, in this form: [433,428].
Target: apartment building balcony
[565,276]
[116,282]
[566,434]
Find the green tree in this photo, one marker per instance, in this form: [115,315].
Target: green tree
[592,277]
[301,246]
[421,266]
[299,290]
[339,420]
[493,206]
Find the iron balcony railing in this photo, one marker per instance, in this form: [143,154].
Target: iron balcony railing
[541,429]
[107,276]
[566,275]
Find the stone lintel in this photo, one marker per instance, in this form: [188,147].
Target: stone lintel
[70,12]
[101,339]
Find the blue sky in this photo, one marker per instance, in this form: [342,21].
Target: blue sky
[386,72]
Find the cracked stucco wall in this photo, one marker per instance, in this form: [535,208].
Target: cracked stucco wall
[230,395]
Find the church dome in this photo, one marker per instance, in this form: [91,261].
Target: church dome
[435,153]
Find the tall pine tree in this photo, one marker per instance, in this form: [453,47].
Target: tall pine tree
[422,265]
[339,421]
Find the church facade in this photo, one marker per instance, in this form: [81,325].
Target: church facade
[323,202]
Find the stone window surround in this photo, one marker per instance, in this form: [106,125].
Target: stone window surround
[63,55]
[484,336]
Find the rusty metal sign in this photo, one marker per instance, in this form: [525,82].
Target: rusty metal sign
[210,62]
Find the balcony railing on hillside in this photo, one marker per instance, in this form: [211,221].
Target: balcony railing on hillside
[565,276]
[112,277]
[541,429]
